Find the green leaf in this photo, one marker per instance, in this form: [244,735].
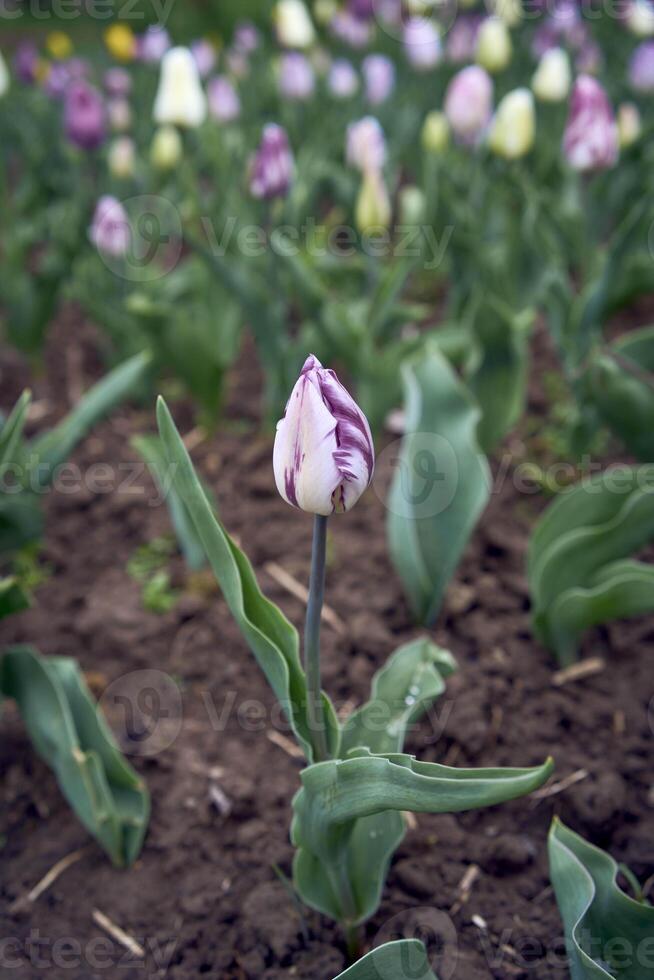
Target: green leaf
[442,483]
[401,693]
[69,733]
[405,959]
[272,639]
[12,430]
[151,450]
[12,597]
[340,868]
[608,934]
[21,520]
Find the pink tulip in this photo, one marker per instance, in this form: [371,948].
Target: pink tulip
[271,171]
[591,134]
[469,103]
[110,231]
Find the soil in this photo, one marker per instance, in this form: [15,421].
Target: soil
[204,898]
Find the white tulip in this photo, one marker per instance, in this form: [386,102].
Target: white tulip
[180,98]
[513,128]
[293,24]
[494,47]
[551,82]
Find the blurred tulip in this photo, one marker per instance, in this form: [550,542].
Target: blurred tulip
[494,47]
[293,24]
[551,82]
[120,115]
[379,77]
[412,204]
[110,231]
[120,42]
[629,124]
[121,158]
[342,80]
[591,134]
[180,98]
[510,12]
[422,44]
[166,149]
[641,68]
[85,119]
[350,30]
[513,127]
[365,144]
[5,80]
[26,62]
[59,45]
[435,134]
[324,11]
[323,458]
[373,207]
[271,170]
[153,44]
[205,56]
[296,77]
[589,58]
[462,39]
[246,37]
[117,83]
[639,18]
[469,103]
[224,103]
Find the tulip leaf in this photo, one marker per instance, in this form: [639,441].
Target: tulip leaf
[608,934]
[578,566]
[69,733]
[441,485]
[271,637]
[12,430]
[12,597]
[405,959]
[402,692]
[347,820]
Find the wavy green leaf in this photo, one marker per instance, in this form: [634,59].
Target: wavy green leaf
[608,934]
[442,483]
[272,639]
[405,959]
[70,734]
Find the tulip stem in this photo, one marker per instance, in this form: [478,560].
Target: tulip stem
[315,713]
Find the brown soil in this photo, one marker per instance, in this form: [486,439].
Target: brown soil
[203,898]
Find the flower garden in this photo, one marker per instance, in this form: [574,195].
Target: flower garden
[327,491]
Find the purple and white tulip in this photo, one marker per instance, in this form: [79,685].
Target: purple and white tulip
[422,44]
[469,103]
[323,458]
[224,103]
[591,134]
[365,144]
[297,80]
[641,68]
[342,81]
[110,231]
[271,170]
[379,78]
[85,118]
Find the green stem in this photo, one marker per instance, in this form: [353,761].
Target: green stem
[315,712]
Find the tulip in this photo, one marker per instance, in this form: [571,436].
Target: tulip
[166,148]
[237,63]
[120,158]
[323,457]
[180,99]
[509,11]
[494,48]
[110,231]
[246,37]
[422,44]
[640,18]
[324,11]
[591,134]
[293,24]
[296,77]
[629,124]
[551,82]
[84,116]
[589,58]
[373,207]
[271,170]
[59,45]
[365,144]
[379,77]
[224,103]
[5,80]
[117,83]
[342,81]
[26,62]
[469,103]
[513,127]
[153,44]
[350,30]
[641,68]
[462,40]
[120,115]
[205,56]
[412,206]
[435,134]
[120,42]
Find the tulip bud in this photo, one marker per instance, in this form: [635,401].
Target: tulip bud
[153,44]
[204,54]
[365,145]
[120,158]
[59,45]
[629,124]
[26,62]
[166,149]
[469,103]
[590,141]
[324,11]
[435,134]
[120,115]
[422,44]
[514,125]
[296,77]
[379,77]
[342,81]
[462,40]
[224,103]
[293,24]
[246,37]
[84,116]
[271,170]
[412,205]
[120,42]
[373,207]
[117,83]
[640,18]
[641,68]
[4,77]
[351,30]
[180,98]
[551,82]
[494,47]
[510,12]
[323,457]
[110,231]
